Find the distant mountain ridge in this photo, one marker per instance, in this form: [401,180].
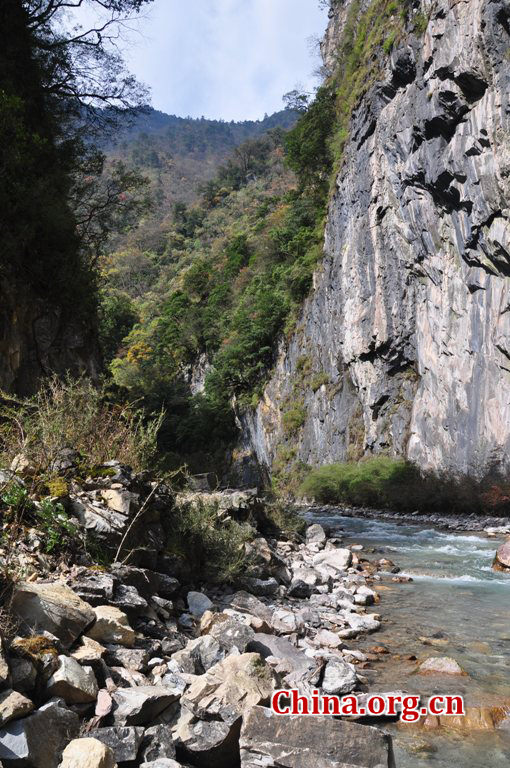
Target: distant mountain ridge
[179,154]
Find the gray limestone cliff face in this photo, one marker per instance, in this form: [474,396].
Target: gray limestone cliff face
[403,345]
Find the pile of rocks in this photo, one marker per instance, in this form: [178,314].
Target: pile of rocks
[152,673]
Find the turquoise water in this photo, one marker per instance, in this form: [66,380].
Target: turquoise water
[458,602]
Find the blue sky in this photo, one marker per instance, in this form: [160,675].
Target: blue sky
[230,59]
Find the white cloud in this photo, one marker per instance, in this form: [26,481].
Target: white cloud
[225,58]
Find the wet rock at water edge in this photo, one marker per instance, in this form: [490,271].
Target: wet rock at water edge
[315,534]
[440,665]
[339,677]
[502,559]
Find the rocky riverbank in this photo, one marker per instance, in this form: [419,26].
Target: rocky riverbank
[139,664]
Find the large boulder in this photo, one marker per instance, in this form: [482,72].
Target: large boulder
[334,559]
[143,704]
[229,687]
[87,753]
[502,559]
[112,626]
[298,742]
[52,608]
[72,682]
[39,739]
[213,705]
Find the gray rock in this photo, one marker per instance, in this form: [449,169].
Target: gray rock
[40,737]
[339,677]
[198,656]
[24,675]
[198,603]
[157,744]
[124,742]
[315,534]
[52,608]
[95,587]
[226,690]
[122,501]
[207,743]
[246,603]
[298,742]
[299,589]
[141,705]
[13,705]
[163,762]
[127,599]
[280,648]
[146,582]
[167,586]
[260,587]
[131,658]
[362,622]
[336,559]
[72,682]
[231,633]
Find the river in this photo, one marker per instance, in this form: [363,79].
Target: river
[461,608]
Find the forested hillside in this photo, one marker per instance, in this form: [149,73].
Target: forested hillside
[195,297]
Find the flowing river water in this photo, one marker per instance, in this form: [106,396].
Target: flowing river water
[455,606]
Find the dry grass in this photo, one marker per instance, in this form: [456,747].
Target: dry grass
[75,414]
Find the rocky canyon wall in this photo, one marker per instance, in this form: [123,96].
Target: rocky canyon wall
[38,339]
[403,345]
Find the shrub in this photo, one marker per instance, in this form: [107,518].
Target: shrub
[293,419]
[383,482]
[75,414]
[213,546]
[284,519]
[50,517]
[54,522]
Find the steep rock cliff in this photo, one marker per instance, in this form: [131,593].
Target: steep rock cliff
[403,346]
